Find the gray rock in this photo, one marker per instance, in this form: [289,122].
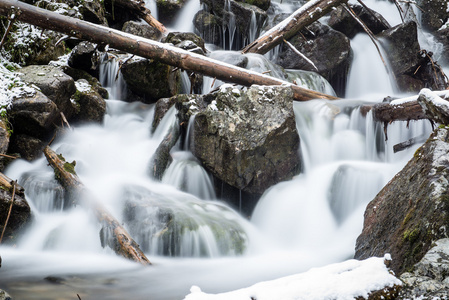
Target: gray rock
[4,295]
[435,14]
[93,11]
[28,147]
[248,139]
[410,213]
[33,115]
[91,107]
[54,83]
[168,9]
[20,213]
[143,30]
[81,56]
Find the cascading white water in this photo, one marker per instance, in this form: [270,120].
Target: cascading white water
[309,221]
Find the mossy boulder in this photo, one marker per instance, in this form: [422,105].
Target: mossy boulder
[178,224]
[248,139]
[412,211]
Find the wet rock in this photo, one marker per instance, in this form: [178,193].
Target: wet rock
[328,49]
[5,132]
[20,213]
[411,212]
[28,147]
[143,30]
[82,57]
[93,11]
[168,9]
[54,83]
[187,41]
[408,62]
[442,37]
[342,21]
[435,14]
[91,107]
[161,108]
[429,277]
[117,16]
[262,4]
[223,21]
[182,225]
[33,115]
[78,74]
[151,79]
[248,139]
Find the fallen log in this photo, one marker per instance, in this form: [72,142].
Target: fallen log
[305,15]
[138,7]
[164,53]
[122,243]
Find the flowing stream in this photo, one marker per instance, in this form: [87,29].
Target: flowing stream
[310,221]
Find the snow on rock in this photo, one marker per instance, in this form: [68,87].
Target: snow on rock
[345,280]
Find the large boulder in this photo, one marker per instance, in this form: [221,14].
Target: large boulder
[328,49]
[342,21]
[141,29]
[82,57]
[248,139]
[91,107]
[54,83]
[20,214]
[412,211]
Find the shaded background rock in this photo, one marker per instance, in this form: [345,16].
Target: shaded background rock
[412,211]
[248,139]
[168,9]
[328,49]
[143,30]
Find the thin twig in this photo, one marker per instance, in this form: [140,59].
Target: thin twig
[368,31]
[11,21]
[213,82]
[9,156]
[10,209]
[78,296]
[300,54]
[65,120]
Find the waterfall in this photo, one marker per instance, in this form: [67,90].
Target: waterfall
[186,230]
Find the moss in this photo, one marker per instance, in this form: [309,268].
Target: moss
[411,235]
[70,167]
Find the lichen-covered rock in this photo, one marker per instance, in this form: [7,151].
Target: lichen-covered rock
[54,83]
[151,79]
[429,278]
[91,107]
[412,211]
[342,21]
[143,30]
[328,49]
[187,41]
[248,139]
[20,213]
[209,26]
[182,225]
[33,115]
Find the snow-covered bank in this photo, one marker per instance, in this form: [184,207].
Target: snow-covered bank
[345,280]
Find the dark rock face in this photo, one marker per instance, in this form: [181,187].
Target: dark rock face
[91,107]
[54,83]
[167,9]
[34,115]
[328,49]
[142,30]
[262,4]
[151,79]
[411,65]
[93,11]
[82,56]
[248,139]
[27,146]
[342,21]
[187,41]
[435,14]
[20,213]
[412,210]
[222,19]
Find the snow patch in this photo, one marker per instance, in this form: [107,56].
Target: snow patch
[346,280]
